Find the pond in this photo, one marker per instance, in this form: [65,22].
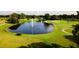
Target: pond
[33,28]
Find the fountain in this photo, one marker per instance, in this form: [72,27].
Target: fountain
[33,28]
[41,21]
[32,25]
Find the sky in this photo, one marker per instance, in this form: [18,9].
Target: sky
[38,12]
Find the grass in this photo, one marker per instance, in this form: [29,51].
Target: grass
[23,20]
[10,40]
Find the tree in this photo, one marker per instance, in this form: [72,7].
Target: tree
[75,30]
[33,16]
[47,16]
[54,17]
[64,16]
[77,14]
[22,16]
[13,18]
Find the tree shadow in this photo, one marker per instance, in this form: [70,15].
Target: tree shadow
[41,45]
[18,34]
[54,45]
[72,38]
[23,47]
[14,27]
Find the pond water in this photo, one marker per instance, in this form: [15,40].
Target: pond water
[34,28]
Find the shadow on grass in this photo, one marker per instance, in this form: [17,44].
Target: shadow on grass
[18,34]
[72,38]
[14,27]
[41,45]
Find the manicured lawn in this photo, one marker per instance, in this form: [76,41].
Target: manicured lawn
[57,36]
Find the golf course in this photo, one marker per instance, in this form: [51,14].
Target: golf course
[62,29]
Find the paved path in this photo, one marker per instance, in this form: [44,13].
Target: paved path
[63,30]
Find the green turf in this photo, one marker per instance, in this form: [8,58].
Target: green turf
[9,39]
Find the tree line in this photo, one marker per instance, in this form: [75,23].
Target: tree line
[47,16]
[14,17]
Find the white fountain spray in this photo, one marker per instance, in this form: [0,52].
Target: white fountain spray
[32,25]
[41,20]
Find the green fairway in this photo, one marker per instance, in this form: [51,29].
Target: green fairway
[57,36]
